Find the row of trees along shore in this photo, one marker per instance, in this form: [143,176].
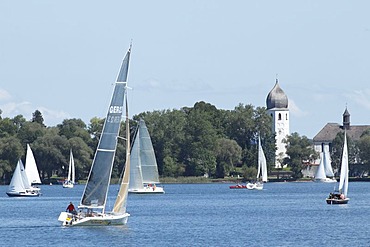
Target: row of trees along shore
[192,141]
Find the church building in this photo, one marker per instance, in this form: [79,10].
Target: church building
[277,107]
[327,134]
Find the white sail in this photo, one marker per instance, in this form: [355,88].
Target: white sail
[69,182]
[262,161]
[327,162]
[17,182]
[147,156]
[136,177]
[343,182]
[31,167]
[320,172]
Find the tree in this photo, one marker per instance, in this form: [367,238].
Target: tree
[11,151]
[38,118]
[228,153]
[299,151]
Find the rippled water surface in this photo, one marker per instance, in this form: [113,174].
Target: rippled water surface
[283,214]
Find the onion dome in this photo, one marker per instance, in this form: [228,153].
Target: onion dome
[277,98]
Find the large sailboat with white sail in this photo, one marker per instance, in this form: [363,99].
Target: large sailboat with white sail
[92,207]
[144,170]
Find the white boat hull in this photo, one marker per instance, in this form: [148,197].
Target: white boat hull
[255,186]
[23,194]
[99,219]
[147,190]
[326,180]
[68,185]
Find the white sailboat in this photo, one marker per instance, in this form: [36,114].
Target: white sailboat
[144,170]
[324,172]
[70,181]
[19,185]
[261,171]
[94,199]
[340,196]
[31,169]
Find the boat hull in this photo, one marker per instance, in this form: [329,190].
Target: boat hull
[255,186]
[326,180]
[69,219]
[68,185]
[22,194]
[337,201]
[238,186]
[147,190]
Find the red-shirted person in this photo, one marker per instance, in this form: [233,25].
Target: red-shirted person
[71,208]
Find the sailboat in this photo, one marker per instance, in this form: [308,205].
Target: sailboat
[31,169]
[19,185]
[144,173]
[70,181]
[340,196]
[324,172]
[261,171]
[92,207]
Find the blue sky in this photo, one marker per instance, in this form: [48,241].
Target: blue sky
[61,57]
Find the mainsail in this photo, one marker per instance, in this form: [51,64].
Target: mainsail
[31,167]
[320,172]
[147,156]
[327,162]
[71,168]
[96,190]
[262,164]
[343,182]
[136,177]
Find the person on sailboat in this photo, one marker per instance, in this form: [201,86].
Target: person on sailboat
[71,208]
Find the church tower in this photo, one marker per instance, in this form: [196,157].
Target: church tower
[277,107]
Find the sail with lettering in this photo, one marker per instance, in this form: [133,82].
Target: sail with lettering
[94,198]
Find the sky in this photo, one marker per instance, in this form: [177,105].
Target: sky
[62,57]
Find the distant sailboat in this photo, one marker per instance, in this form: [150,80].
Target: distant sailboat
[94,199]
[19,185]
[144,170]
[340,196]
[70,181]
[324,172]
[31,169]
[261,170]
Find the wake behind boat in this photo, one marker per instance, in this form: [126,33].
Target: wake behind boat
[340,196]
[144,173]
[92,207]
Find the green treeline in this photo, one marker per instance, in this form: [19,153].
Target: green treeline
[192,141]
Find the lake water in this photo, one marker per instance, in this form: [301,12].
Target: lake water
[283,214]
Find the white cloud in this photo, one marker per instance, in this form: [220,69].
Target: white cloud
[295,110]
[362,97]
[4,95]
